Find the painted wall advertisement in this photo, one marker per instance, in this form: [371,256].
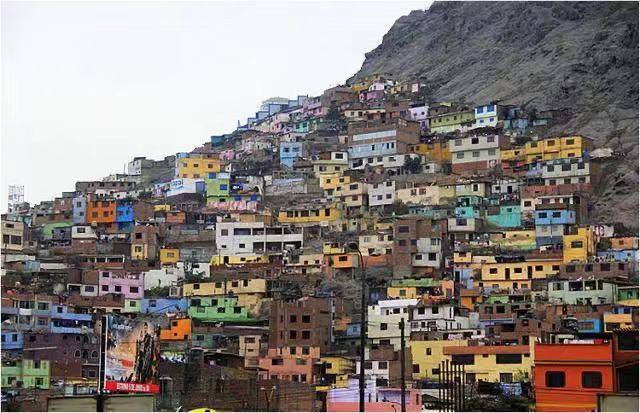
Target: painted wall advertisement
[132,354]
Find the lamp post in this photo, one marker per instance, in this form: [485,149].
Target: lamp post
[352,246]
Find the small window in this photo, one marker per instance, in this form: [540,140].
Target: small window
[591,379]
[555,379]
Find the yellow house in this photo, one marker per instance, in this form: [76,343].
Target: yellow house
[402,292]
[169,256]
[249,292]
[196,167]
[338,370]
[446,191]
[512,154]
[238,259]
[556,148]
[518,239]
[512,275]
[248,286]
[617,321]
[139,251]
[436,151]
[309,214]
[578,247]
[333,182]
[329,248]
[423,195]
[426,356]
[162,208]
[323,167]
[493,363]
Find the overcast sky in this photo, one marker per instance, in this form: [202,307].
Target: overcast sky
[86,86]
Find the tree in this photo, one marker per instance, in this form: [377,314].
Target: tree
[413,165]
[399,208]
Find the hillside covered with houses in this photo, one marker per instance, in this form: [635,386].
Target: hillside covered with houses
[464,232]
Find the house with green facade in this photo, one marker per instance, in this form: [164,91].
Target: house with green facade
[216,309]
[26,374]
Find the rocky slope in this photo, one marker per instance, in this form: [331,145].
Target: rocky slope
[578,58]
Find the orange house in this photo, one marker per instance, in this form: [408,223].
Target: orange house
[101,212]
[342,261]
[179,330]
[569,377]
[290,364]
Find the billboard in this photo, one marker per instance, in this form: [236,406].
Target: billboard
[132,354]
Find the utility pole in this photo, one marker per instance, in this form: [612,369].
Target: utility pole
[403,384]
[363,327]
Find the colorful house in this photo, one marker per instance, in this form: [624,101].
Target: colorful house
[569,377]
[216,309]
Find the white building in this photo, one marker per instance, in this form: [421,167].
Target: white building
[383,193]
[250,238]
[384,320]
[438,317]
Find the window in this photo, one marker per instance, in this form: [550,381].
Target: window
[293,319]
[428,351]
[466,359]
[133,290]
[591,379]
[382,365]
[383,326]
[508,358]
[554,379]
[416,368]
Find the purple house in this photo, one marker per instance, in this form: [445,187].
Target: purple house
[129,284]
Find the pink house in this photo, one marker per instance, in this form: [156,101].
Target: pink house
[131,285]
[241,205]
[289,363]
[367,95]
[227,155]
[377,399]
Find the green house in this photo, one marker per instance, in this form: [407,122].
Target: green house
[216,309]
[27,374]
[131,306]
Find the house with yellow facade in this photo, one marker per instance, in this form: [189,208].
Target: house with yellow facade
[436,151]
[504,364]
[516,275]
[313,213]
[556,148]
[197,166]
[426,356]
[578,247]
[169,256]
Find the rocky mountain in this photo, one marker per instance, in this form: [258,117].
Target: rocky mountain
[578,58]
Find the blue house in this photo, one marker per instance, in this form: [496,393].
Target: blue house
[124,212]
[63,321]
[289,151]
[12,340]
[372,150]
[550,217]
[464,276]
[620,255]
[508,217]
[160,305]
[79,210]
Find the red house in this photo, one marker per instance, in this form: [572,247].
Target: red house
[569,377]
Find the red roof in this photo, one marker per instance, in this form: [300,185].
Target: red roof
[486,350]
